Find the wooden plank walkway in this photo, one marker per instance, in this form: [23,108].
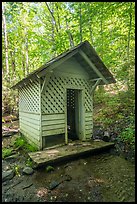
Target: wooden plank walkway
[67,152]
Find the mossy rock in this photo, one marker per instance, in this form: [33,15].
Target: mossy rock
[49,168]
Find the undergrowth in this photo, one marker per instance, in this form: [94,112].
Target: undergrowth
[21,143]
[117,114]
[6,152]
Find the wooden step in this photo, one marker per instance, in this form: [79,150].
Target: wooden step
[66,152]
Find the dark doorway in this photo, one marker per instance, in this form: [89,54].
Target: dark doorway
[72,114]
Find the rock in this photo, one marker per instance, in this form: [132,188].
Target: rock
[14,156]
[9,133]
[49,168]
[68,177]
[5,166]
[53,185]
[28,170]
[97,140]
[106,136]
[7,175]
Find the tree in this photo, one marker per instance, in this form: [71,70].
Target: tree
[35,32]
[5,42]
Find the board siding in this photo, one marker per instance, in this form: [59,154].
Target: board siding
[50,117]
[53,132]
[53,124]
[29,115]
[30,127]
[88,124]
[30,139]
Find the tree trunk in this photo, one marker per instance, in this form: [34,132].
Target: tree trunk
[69,34]
[101,29]
[90,30]
[23,64]
[128,45]
[27,58]
[12,55]
[54,25]
[53,17]
[5,43]
[80,22]
[56,4]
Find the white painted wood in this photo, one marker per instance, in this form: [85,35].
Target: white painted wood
[90,122]
[81,114]
[29,98]
[93,66]
[28,123]
[88,127]
[65,110]
[52,122]
[88,131]
[88,114]
[92,80]
[46,80]
[56,63]
[29,115]
[40,134]
[52,97]
[29,128]
[94,86]
[53,132]
[53,117]
[70,86]
[53,127]
[30,139]
[30,120]
[88,119]
[72,67]
[88,136]
[66,75]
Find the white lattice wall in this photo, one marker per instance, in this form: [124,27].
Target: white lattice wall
[53,95]
[29,97]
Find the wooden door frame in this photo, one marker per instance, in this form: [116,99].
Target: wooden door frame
[81,107]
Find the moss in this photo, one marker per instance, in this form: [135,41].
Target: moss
[6,152]
[49,168]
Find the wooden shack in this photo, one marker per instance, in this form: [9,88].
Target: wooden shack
[55,101]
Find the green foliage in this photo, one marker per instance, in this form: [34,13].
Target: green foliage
[31,147]
[30,162]
[17,170]
[108,26]
[6,152]
[128,135]
[21,143]
[117,113]
[49,168]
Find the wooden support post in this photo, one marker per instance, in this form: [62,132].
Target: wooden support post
[41,139]
[93,66]
[95,85]
[66,127]
[46,80]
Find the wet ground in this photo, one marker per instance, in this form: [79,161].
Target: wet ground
[103,177]
[98,178]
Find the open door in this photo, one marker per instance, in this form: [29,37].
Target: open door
[74,114]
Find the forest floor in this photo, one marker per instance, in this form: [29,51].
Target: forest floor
[105,177]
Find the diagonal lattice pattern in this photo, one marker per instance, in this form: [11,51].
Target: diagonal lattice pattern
[29,97]
[53,97]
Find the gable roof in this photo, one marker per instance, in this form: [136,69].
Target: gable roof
[85,54]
